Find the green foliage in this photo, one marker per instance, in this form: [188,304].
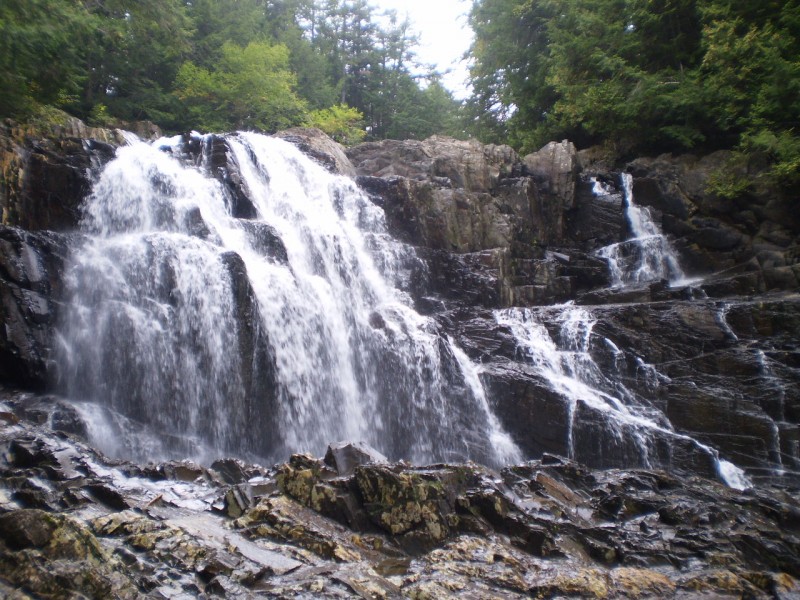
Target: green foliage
[219,64]
[132,57]
[783,149]
[99,116]
[251,88]
[731,181]
[423,113]
[641,75]
[42,49]
[343,123]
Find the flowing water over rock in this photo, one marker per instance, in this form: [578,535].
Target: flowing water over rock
[263,336]
[632,422]
[646,257]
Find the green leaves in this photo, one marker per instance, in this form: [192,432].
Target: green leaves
[251,88]
[42,49]
[220,64]
[343,123]
[641,75]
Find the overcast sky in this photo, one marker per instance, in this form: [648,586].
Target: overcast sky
[444,34]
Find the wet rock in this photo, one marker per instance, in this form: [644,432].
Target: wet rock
[58,557]
[237,500]
[417,507]
[466,165]
[31,271]
[550,527]
[222,165]
[595,221]
[555,167]
[45,172]
[266,240]
[346,456]
[714,233]
[321,148]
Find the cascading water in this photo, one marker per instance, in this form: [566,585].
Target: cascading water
[647,256]
[570,370]
[258,337]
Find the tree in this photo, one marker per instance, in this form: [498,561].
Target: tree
[343,123]
[251,88]
[751,71]
[42,53]
[135,51]
[638,75]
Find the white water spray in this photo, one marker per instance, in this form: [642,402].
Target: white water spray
[566,364]
[260,337]
[646,257]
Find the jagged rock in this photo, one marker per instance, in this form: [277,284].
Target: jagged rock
[714,233]
[556,166]
[595,221]
[58,557]
[321,148]
[266,240]
[346,456]
[443,161]
[222,166]
[31,284]
[550,527]
[45,173]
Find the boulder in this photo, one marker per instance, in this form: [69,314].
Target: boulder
[321,148]
[556,165]
[443,161]
[45,172]
[346,456]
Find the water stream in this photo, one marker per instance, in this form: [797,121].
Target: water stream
[648,255]
[257,337]
[190,332]
[565,362]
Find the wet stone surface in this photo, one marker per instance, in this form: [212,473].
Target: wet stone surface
[75,524]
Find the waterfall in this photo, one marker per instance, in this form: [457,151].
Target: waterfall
[564,361]
[646,257]
[257,337]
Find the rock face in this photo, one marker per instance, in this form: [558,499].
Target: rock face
[31,269]
[681,380]
[474,208]
[45,174]
[321,148]
[760,228]
[73,524]
[527,233]
[715,371]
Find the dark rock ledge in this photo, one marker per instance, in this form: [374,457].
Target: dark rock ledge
[74,524]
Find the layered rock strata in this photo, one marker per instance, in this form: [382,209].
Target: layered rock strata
[718,358]
[73,524]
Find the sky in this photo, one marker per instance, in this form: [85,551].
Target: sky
[444,35]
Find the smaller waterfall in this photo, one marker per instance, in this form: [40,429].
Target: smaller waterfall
[647,256]
[565,362]
[504,447]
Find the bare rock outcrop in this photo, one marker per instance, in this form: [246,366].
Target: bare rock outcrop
[75,524]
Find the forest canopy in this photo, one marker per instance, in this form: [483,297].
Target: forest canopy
[640,75]
[637,76]
[222,65]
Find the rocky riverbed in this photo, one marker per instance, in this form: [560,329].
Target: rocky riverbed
[76,524]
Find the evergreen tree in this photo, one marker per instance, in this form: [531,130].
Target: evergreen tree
[640,75]
[42,53]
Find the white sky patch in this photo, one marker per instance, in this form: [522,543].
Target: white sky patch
[444,35]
